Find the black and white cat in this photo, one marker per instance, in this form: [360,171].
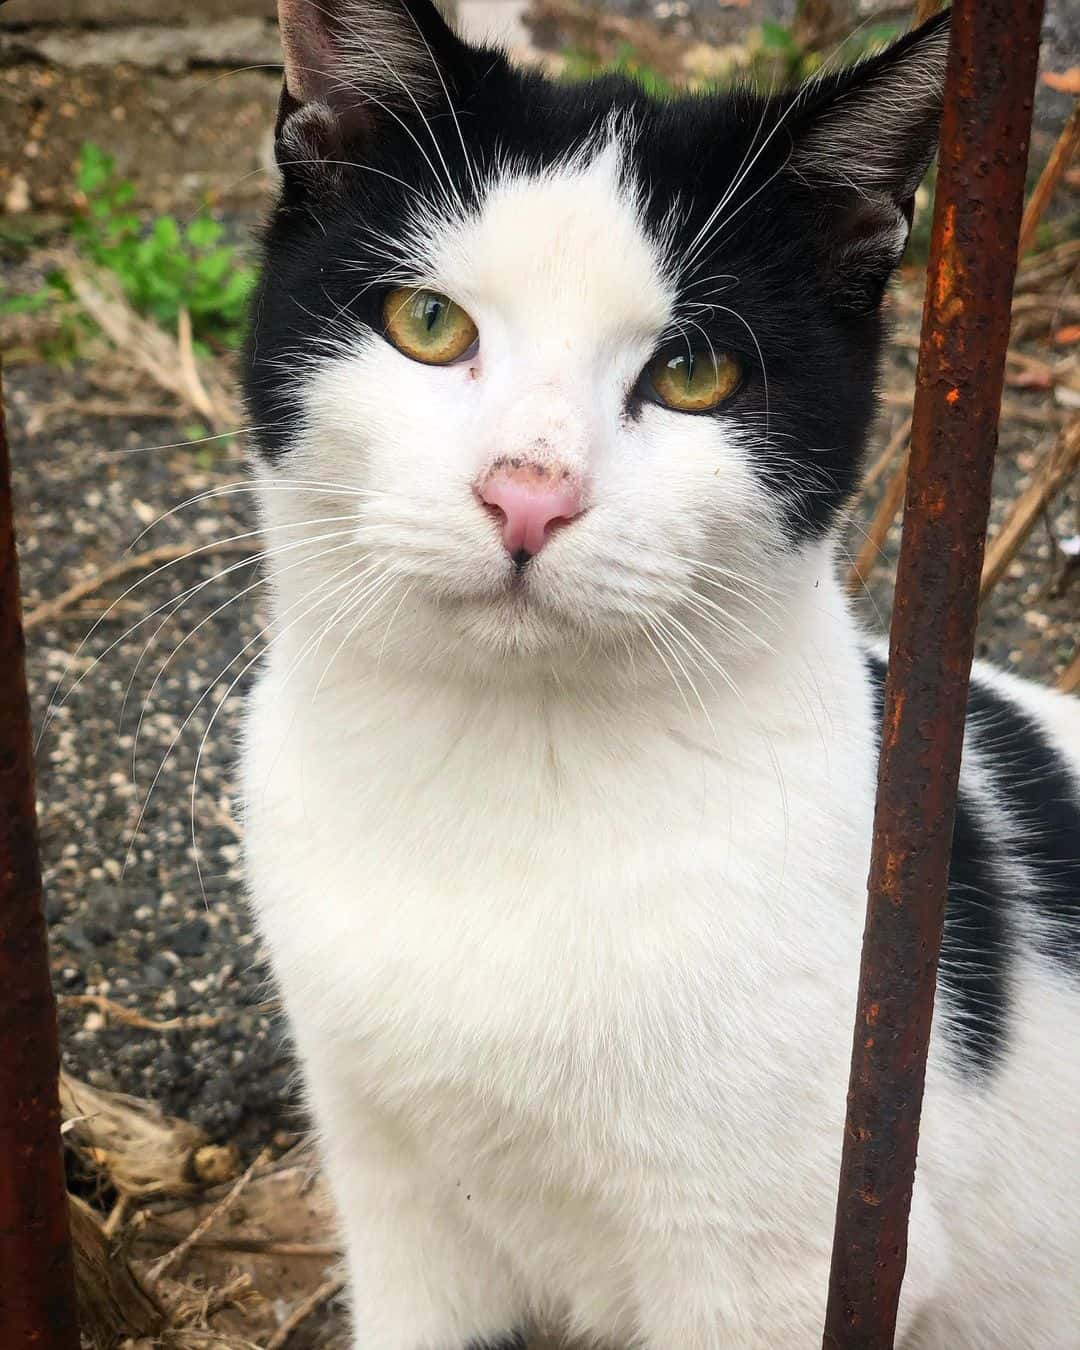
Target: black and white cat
[561,765]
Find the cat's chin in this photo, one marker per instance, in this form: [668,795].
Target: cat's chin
[515,625]
[510,622]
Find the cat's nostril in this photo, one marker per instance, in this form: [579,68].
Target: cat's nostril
[528,500]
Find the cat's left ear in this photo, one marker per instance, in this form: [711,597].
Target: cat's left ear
[863,141]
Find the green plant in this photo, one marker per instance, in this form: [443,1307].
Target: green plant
[167,266]
[777,52]
[162,267]
[778,46]
[63,334]
[773,55]
[581,65]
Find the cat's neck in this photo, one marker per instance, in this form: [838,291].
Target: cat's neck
[446,771]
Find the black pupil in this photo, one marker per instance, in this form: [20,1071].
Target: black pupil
[433,310]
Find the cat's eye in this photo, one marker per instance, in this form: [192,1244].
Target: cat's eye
[692,379]
[427,326]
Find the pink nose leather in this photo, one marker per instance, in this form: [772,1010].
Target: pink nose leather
[529,498]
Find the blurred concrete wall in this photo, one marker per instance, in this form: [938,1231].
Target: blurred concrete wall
[21,13]
[25,12]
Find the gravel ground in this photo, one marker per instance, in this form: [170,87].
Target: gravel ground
[129,917]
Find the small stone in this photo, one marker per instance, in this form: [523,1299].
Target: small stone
[189,939]
[17,198]
[75,936]
[184,999]
[154,976]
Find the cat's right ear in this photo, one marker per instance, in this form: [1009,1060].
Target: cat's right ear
[350,67]
[862,140]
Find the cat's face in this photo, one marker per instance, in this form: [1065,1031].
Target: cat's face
[557,371]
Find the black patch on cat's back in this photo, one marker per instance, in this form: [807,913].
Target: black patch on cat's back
[977,945]
[1042,796]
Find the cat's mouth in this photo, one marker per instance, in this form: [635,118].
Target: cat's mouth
[519,612]
[518,591]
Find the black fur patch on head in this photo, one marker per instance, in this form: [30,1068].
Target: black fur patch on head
[978,940]
[779,241]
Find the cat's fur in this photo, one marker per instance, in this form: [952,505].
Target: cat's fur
[563,869]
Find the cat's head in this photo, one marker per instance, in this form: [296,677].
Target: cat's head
[547,373]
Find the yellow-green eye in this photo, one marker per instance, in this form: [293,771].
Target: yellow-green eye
[427,326]
[690,380]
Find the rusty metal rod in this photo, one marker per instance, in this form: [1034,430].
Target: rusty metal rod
[989,91]
[37,1282]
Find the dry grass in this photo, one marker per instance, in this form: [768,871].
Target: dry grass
[180,1252]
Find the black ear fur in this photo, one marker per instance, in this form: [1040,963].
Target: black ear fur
[351,66]
[863,140]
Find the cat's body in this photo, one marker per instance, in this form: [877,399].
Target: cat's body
[542,1090]
[561,856]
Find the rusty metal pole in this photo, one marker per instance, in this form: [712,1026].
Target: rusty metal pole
[37,1282]
[989,91]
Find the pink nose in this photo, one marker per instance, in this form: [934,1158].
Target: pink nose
[528,499]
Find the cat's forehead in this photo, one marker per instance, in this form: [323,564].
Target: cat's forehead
[565,244]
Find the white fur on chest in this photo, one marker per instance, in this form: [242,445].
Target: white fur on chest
[570,936]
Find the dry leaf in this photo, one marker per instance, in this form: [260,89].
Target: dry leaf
[141,1150]
[1030,378]
[1065,337]
[1064,81]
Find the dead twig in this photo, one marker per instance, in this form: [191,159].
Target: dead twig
[191,1309]
[1048,265]
[222,1207]
[103,407]
[117,1217]
[252,1246]
[1051,176]
[169,362]
[304,1310]
[896,443]
[1069,682]
[108,1008]
[1057,468]
[200,399]
[58,606]
[878,530]
[926,9]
